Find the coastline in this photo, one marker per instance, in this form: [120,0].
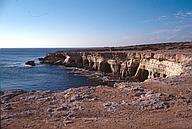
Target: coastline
[149,104]
[154,102]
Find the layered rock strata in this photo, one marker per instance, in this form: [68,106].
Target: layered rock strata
[128,64]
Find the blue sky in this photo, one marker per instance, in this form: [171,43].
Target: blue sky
[92,23]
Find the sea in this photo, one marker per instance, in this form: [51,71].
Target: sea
[14,74]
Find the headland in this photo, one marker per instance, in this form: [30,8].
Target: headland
[143,86]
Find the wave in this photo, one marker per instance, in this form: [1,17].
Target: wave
[7,65]
[18,65]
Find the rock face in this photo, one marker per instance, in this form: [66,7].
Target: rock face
[127,63]
[31,63]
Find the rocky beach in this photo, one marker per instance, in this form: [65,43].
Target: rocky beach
[142,86]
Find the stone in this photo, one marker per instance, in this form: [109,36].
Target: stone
[71,115]
[50,110]
[31,63]
[107,104]
[68,122]
[64,107]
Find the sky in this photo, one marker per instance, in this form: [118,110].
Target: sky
[93,23]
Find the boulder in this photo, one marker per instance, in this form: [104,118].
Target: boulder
[31,63]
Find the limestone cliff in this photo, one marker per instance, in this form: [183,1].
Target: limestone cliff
[128,63]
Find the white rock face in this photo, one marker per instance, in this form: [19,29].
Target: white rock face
[147,64]
[164,68]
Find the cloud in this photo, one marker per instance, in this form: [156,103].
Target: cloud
[175,27]
[160,18]
[157,19]
[183,14]
[179,32]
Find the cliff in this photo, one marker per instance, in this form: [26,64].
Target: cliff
[129,63]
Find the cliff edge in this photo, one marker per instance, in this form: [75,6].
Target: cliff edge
[152,89]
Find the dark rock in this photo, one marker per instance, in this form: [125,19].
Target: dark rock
[50,110]
[31,63]
[41,59]
[59,62]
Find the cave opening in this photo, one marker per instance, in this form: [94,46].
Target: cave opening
[164,75]
[79,62]
[91,63]
[133,69]
[145,75]
[105,67]
[86,62]
[142,75]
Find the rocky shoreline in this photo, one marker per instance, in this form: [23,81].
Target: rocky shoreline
[148,104]
[148,101]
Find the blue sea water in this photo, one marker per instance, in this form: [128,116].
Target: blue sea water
[14,74]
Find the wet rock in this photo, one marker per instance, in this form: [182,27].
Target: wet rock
[31,63]
[40,59]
